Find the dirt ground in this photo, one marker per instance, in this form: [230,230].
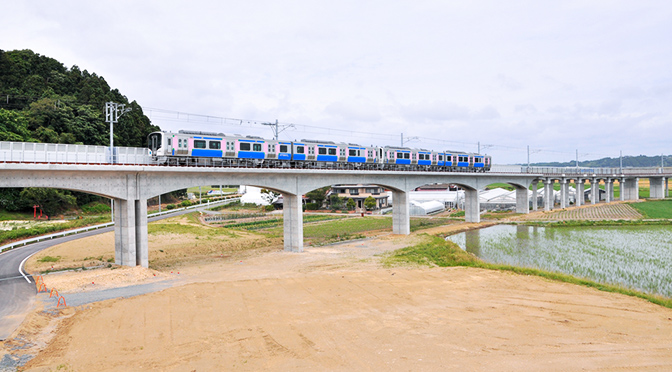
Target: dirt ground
[336,308]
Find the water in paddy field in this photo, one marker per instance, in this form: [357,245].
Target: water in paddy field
[638,257]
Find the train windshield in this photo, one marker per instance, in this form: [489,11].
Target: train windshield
[154,141]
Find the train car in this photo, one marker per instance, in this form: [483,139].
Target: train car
[219,149]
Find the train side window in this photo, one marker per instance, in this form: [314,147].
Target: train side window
[283,148]
[256,147]
[322,151]
[244,146]
[215,145]
[352,152]
[199,144]
[179,142]
[271,148]
[170,141]
[407,155]
[332,151]
[300,150]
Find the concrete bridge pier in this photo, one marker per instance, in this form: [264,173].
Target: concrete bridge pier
[594,191]
[621,185]
[580,188]
[630,189]
[522,200]
[535,195]
[292,212]
[401,212]
[564,193]
[472,206]
[667,189]
[548,194]
[608,187]
[130,232]
[657,187]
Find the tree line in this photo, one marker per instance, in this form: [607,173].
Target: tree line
[41,100]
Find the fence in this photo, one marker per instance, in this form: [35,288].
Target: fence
[26,152]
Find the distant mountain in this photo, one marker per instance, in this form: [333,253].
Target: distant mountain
[43,101]
[628,161]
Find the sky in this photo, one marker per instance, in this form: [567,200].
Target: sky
[593,77]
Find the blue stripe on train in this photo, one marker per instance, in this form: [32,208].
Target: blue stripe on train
[478,165]
[251,155]
[356,159]
[462,164]
[206,153]
[284,156]
[299,156]
[403,161]
[425,162]
[327,157]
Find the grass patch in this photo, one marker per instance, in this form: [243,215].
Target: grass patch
[49,259]
[25,233]
[654,208]
[435,251]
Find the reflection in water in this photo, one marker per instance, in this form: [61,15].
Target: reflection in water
[632,256]
[473,241]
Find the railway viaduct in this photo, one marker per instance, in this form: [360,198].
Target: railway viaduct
[132,180]
[131,185]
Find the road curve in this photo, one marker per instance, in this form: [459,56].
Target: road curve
[16,293]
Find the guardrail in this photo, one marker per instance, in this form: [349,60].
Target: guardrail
[587,171]
[40,238]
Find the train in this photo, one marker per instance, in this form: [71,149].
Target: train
[218,149]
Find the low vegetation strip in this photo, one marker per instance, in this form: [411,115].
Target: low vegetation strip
[436,251]
[611,211]
[43,229]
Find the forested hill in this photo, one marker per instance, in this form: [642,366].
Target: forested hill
[43,101]
[628,161]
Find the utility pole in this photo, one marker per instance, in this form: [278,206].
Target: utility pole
[275,127]
[113,111]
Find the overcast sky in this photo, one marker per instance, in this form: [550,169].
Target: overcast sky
[555,75]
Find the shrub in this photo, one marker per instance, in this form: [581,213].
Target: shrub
[170,206]
[186,203]
[312,206]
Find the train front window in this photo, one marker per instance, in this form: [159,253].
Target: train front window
[154,141]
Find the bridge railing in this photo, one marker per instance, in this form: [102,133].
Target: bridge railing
[590,171]
[27,152]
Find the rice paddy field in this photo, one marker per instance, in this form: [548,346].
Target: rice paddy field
[637,257]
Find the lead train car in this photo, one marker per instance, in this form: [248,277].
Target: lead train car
[219,149]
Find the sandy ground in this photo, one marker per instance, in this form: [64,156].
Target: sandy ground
[335,308]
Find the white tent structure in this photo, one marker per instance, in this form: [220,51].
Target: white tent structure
[251,194]
[418,208]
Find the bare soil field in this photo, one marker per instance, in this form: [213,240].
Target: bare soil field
[611,211]
[336,308]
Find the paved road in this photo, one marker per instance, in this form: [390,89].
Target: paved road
[16,294]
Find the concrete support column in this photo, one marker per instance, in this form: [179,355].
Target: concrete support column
[657,187]
[594,191]
[667,188]
[608,188]
[580,188]
[548,195]
[472,206]
[141,238]
[535,196]
[611,189]
[401,213]
[522,200]
[630,189]
[564,191]
[621,186]
[124,232]
[293,222]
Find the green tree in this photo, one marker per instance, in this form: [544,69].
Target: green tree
[335,202]
[51,201]
[370,203]
[318,195]
[350,204]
